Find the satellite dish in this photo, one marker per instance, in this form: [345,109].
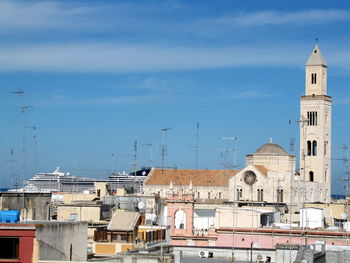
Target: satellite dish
[141,205]
[343,216]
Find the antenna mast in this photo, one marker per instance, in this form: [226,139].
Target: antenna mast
[234,150]
[135,163]
[135,157]
[24,109]
[162,147]
[346,177]
[197,144]
[150,159]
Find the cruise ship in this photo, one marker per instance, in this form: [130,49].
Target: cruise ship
[58,181]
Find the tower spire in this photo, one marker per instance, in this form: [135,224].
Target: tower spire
[316,58]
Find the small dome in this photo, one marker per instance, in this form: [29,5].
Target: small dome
[271,149]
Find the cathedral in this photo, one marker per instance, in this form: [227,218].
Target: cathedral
[270,174]
[279,182]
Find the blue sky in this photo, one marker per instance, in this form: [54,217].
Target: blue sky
[101,74]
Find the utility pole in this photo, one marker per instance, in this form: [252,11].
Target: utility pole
[162,147]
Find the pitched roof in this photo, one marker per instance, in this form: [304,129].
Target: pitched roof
[198,177]
[262,169]
[316,58]
[123,221]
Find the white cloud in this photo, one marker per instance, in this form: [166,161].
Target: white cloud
[72,15]
[97,57]
[117,58]
[43,14]
[272,17]
[110,100]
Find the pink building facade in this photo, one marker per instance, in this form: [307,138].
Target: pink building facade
[180,207]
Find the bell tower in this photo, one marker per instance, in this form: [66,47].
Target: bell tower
[315,128]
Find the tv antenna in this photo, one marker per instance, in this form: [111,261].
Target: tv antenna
[135,157]
[150,159]
[196,147]
[14,176]
[162,147]
[346,178]
[35,141]
[291,144]
[24,108]
[113,163]
[234,150]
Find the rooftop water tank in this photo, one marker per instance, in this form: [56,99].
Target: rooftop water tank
[9,216]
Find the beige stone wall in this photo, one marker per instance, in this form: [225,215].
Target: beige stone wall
[320,88]
[228,217]
[102,187]
[84,213]
[270,184]
[200,192]
[68,198]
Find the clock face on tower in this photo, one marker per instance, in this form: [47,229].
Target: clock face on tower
[249,177]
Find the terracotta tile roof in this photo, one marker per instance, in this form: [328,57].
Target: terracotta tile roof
[185,176]
[262,169]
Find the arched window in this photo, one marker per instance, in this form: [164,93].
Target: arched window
[208,195]
[219,194]
[180,219]
[311,176]
[313,78]
[260,195]
[308,148]
[280,195]
[239,194]
[314,148]
[198,195]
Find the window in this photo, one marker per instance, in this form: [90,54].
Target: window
[9,247]
[311,176]
[280,196]
[73,217]
[180,219]
[219,194]
[260,195]
[314,148]
[198,195]
[239,194]
[208,195]
[313,78]
[312,118]
[311,148]
[308,148]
